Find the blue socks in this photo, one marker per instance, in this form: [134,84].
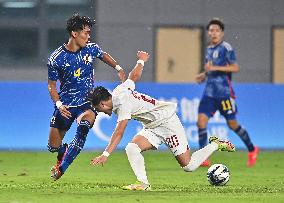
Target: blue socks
[61,151]
[243,134]
[76,144]
[202,134]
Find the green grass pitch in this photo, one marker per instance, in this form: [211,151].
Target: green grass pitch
[24,177]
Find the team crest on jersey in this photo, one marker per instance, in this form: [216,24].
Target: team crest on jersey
[87,59]
[215,54]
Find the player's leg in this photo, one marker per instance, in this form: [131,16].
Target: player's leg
[243,134]
[228,109]
[144,141]
[206,110]
[55,143]
[59,125]
[85,122]
[176,140]
[202,129]
[190,164]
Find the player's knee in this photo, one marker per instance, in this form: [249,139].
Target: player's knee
[190,167]
[52,149]
[132,148]
[201,124]
[84,127]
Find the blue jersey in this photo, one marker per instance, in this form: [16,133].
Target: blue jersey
[219,83]
[75,72]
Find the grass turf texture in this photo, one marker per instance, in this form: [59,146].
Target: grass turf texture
[24,177]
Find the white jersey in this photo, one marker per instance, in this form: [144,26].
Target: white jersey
[129,104]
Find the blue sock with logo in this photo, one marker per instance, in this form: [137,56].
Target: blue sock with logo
[202,134]
[61,151]
[76,144]
[243,134]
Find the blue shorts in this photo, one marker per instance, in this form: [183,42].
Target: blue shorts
[62,123]
[226,106]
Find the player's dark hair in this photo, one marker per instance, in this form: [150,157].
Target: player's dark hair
[216,21]
[77,23]
[98,94]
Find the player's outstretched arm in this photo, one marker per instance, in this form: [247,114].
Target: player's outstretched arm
[114,141]
[136,73]
[111,62]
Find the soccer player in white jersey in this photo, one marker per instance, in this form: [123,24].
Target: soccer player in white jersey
[72,65]
[160,122]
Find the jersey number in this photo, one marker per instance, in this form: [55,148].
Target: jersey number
[226,105]
[172,141]
[77,73]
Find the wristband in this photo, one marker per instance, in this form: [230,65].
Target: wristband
[105,153]
[118,68]
[58,104]
[141,62]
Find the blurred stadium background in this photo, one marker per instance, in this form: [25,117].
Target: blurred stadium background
[172,32]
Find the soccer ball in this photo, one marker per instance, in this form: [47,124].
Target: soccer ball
[218,174]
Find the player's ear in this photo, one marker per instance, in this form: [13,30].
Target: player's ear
[102,104]
[74,34]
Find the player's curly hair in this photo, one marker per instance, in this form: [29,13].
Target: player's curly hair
[77,23]
[98,94]
[216,21]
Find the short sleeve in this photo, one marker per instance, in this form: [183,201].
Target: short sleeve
[96,50]
[231,57]
[123,112]
[124,87]
[230,53]
[52,71]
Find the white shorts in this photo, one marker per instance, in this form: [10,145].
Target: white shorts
[170,133]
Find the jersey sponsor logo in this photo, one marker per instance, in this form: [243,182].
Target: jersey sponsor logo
[143,97]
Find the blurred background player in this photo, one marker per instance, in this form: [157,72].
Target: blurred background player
[161,125]
[218,93]
[72,64]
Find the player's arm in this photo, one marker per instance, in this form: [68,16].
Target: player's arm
[229,68]
[52,90]
[111,62]
[136,73]
[55,98]
[114,141]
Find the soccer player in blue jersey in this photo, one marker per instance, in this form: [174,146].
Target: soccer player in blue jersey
[72,65]
[220,63]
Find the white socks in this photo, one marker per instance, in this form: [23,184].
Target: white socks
[136,161]
[198,157]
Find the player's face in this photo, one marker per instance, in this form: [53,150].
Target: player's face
[83,36]
[215,34]
[104,107]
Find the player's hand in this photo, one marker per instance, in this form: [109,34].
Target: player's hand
[121,75]
[99,160]
[65,112]
[200,77]
[142,55]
